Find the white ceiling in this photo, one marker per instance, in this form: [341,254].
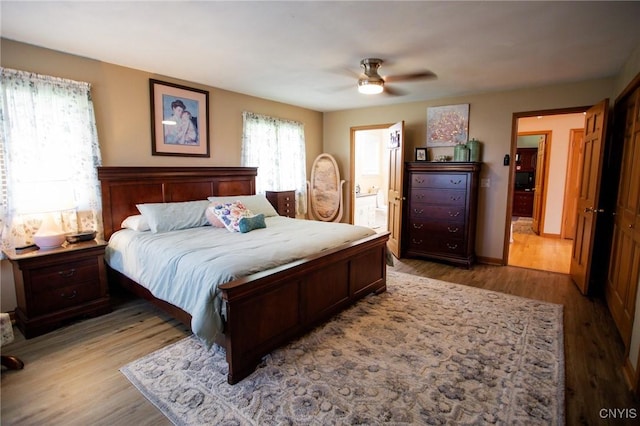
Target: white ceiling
[307,53]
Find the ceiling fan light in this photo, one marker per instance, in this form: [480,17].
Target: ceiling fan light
[370,87]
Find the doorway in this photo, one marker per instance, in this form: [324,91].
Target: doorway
[370,177]
[541,193]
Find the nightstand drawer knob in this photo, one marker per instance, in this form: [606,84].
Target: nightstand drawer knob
[67,274]
[69,296]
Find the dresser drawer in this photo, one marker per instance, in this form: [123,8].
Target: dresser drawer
[439,196]
[55,299]
[441,243]
[45,280]
[425,213]
[444,181]
[450,229]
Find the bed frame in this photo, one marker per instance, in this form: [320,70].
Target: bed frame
[266,309]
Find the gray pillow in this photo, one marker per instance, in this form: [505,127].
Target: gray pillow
[164,217]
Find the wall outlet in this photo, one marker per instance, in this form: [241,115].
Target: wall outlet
[485,183]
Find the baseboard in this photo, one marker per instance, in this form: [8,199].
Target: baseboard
[489,261]
[545,235]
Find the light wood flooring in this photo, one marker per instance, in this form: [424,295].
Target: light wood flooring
[542,253]
[71,375]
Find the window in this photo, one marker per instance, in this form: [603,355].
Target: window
[277,148]
[48,155]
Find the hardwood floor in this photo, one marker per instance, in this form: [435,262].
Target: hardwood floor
[535,252]
[71,375]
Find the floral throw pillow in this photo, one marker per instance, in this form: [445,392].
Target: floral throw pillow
[230,214]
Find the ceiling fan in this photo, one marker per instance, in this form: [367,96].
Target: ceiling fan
[371,83]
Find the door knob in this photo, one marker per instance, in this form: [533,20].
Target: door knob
[593,210]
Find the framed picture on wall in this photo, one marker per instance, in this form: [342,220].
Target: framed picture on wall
[447,125]
[179,120]
[421,154]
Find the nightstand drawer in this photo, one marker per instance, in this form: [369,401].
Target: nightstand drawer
[56,299]
[45,280]
[283,201]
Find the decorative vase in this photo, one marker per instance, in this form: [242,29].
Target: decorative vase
[461,153]
[474,150]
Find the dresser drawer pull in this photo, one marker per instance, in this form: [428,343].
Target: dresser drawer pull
[452,214]
[418,211]
[414,241]
[419,196]
[452,198]
[419,179]
[69,296]
[418,225]
[453,229]
[452,246]
[67,274]
[456,182]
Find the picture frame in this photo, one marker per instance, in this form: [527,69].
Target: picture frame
[179,120]
[421,154]
[447,125]
[394,140]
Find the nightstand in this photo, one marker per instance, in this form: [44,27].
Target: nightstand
[57,285]
[283,201]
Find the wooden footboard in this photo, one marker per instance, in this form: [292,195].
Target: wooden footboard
[266,309]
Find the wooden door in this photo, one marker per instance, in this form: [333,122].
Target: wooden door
[572,186]
[624,266]
[587,207]
[395,198]
[538,191]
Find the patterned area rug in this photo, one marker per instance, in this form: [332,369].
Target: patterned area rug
[424,352]
[522,225]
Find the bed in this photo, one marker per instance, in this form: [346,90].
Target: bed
[264,309]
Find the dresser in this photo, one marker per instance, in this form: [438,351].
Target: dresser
[57,285]
[283,201]
[439,215]
[522,203]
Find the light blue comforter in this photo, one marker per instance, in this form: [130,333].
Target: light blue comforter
[185,267]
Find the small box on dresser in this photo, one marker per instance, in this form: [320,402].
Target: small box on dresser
[440,211]
[283,201]
[54,286]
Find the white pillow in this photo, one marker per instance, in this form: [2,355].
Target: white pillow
[164,217]
[256,203]
[136,222]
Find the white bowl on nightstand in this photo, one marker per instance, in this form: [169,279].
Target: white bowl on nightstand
[46,242]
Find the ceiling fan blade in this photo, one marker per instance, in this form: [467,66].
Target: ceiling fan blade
[409,77]
[391,91]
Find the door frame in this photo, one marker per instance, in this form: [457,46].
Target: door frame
[512,169]
[352,168]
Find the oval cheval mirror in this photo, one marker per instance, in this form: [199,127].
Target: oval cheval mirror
[325,190]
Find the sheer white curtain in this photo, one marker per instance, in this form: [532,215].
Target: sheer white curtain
[48,151]
[277,148]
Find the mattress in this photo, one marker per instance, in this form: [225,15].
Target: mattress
[185,267]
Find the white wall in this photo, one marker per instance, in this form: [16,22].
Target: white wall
[560,127]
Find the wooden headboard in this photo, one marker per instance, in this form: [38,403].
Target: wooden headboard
[124,187]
